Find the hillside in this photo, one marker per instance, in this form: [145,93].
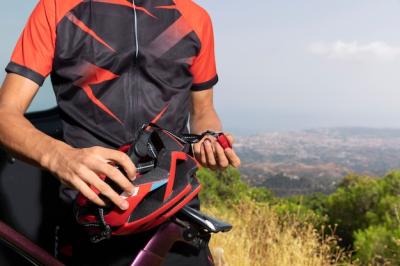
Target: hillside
[309,161]
[358,224]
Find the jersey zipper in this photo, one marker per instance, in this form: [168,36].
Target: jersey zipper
[134,101]
[136,28]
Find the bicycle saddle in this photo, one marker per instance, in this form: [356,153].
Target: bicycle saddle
[204,222]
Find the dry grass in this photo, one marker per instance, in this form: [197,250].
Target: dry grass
[262,237]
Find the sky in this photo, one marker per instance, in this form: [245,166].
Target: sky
[289,65]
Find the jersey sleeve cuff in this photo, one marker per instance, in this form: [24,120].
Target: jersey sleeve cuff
[205,85]
[25,72]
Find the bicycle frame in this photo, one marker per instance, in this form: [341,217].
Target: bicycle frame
[157,248]
[26,248]
[154,253]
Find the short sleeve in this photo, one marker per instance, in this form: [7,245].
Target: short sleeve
[204,67]
[33,54]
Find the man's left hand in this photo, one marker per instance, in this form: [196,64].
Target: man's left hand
[210,153]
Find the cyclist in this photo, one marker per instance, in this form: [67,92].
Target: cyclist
[114,65]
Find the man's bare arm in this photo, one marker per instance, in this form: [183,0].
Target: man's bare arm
[77,168]
[17,134]
[204,117]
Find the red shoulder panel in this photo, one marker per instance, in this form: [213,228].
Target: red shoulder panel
[34,51]
[204,66]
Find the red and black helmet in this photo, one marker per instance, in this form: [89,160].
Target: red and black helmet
[166,182]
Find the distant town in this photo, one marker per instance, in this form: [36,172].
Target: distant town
[308,161]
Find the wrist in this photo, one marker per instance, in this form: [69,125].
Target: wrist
[51,156]
[199,128]
[206,120]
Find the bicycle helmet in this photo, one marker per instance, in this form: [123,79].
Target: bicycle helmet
[166,182]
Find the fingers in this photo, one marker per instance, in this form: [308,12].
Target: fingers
[115,175]
[209,154]
[197,150]
[212,155]
[232,157]
[80,168]
[230,138]
[93,179]
[121,159]
[87,192]
[223,161]
[218,157]
[203,159]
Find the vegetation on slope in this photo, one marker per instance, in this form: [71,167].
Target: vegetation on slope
[357,224]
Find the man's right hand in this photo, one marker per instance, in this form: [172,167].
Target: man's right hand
[80,168]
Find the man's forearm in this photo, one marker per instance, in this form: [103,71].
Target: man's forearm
[25,142]
[206,119]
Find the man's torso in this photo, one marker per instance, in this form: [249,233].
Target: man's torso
[117,65]
[125,67]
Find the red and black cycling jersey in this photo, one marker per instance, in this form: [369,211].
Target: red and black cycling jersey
[117,64]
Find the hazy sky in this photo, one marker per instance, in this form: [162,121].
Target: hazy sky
[287,65]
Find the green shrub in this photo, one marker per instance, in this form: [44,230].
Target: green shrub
[378,245]
[351,205]
[226,187]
